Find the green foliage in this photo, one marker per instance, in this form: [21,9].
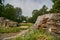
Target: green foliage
[12,13]
[30,20]
[9,30]
[1,7]
[34,11]
[36,35]
[8,11]
[56,7]
[19,14]
[23,18]
[1,10]
[37,13]
[1,1]
[54,1]
[26,24]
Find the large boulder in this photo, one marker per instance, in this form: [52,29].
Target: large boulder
[50,22]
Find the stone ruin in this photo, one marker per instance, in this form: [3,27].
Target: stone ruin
[49,22]
[7,23]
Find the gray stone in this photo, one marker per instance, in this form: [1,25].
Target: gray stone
[49,22]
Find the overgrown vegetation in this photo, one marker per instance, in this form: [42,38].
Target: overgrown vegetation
[14,29]
[9,30]
[37,35]
[56,7]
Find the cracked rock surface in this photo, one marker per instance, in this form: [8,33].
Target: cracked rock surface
[50,22]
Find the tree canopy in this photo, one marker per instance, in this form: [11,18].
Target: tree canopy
[1,1]
[37,13]
[1,7]
[10,12]
[54,1]
[56,6]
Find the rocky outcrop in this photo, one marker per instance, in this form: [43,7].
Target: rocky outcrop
[49,22]
[7,23]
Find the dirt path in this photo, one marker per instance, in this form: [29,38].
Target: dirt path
[14,35]
[5,35]
[21,33]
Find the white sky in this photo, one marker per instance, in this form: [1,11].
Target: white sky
[28,6]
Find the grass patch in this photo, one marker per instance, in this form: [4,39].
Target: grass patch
[26,24]
[9,30]
[15,29]
[37,35]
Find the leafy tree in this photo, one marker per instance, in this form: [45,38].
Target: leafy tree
[30,20]
[24,18]
[55,7]
[34,11]
[18,14]
[43,10]
[1,1]
[37,13]
[1,7]
[54,1]
[12,13]
[9,12]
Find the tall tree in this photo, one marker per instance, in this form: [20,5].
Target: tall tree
[43,10]
[1,1]
[56,6]
[19,14]
[34,11]
[37,13]
[12,13]
[1,7]
[54,1]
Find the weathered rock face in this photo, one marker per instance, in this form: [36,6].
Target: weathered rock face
[7,23]
[1,21]
[50,22]
[12,24]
